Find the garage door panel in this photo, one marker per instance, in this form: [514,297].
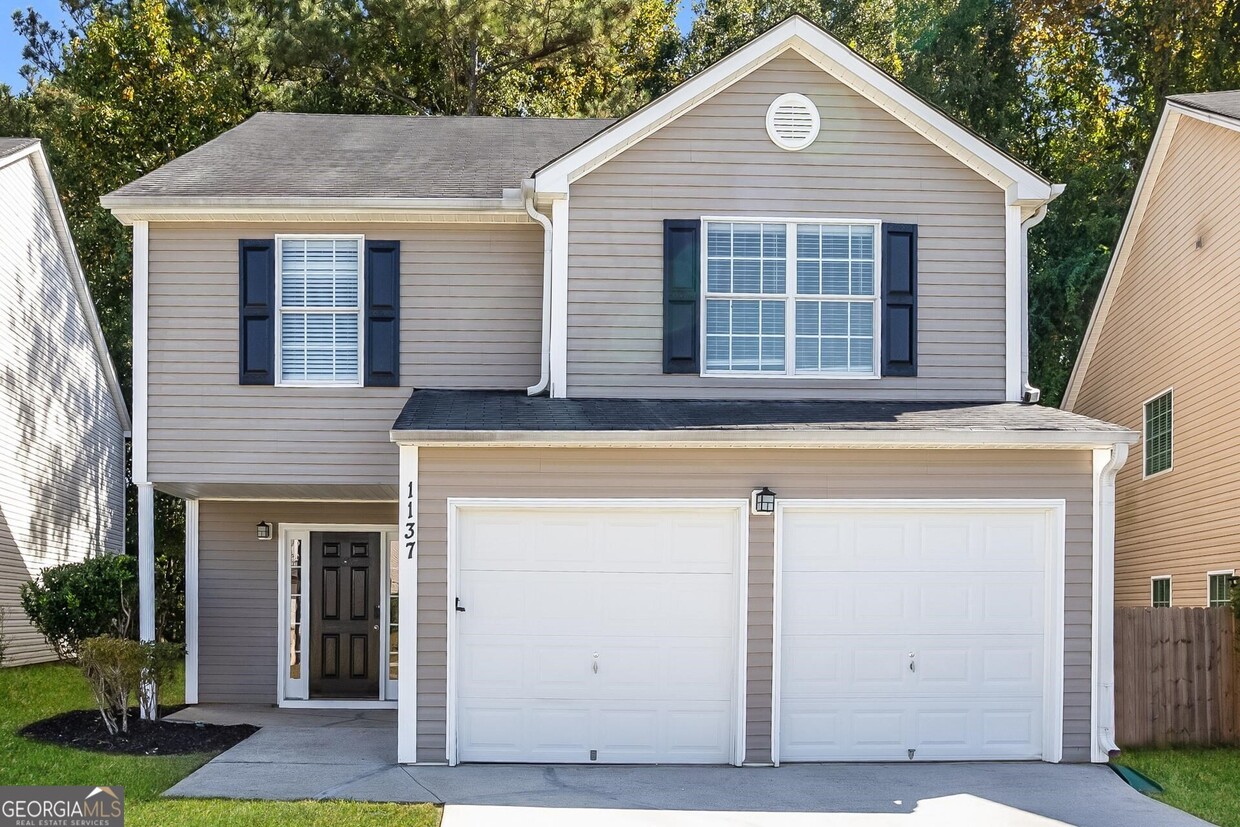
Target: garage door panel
[652,592]
[935,603]
[904,628]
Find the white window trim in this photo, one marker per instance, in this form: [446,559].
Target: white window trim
[361,309]
[296,693]
[789,297]
[1215,573]
[1145,431]
[1170,589]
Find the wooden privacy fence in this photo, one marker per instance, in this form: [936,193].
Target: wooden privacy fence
[1176,677]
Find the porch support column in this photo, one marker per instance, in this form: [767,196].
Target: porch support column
[146,582]
[191,601]
[407,643]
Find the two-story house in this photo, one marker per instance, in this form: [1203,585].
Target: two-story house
[63,420]
[1157,357]
[697,436]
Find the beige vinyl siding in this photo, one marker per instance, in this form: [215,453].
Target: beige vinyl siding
[724,473]
[717,160]
[238,590]
[471,304]
[1173,323]
[62,449]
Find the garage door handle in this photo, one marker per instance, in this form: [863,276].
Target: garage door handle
[459,607]
[912,662]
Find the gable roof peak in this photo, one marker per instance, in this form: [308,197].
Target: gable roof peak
[1023,186]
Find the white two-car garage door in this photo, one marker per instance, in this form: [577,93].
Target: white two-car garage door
[914,632]
[603,633]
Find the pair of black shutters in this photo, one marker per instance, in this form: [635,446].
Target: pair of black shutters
[381,316]
[682,283]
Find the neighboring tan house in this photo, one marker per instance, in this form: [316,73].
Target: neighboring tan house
[63,420]
[506,395]
[1160,357]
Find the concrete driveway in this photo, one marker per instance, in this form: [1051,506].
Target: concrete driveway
[352,756]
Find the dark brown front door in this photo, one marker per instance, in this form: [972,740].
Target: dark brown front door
[345,570]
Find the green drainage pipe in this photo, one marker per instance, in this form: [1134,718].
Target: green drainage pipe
[1139,781]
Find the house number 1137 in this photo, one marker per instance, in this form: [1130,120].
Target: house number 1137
[411,523]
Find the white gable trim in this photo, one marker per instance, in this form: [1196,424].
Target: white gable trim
[1172,114]
[799,35]
[60,225]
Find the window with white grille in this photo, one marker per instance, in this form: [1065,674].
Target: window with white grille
[319,288]
[791,298]
[792,121]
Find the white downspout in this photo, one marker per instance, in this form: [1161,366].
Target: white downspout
[1029,393]
[544,368]
[1107,463]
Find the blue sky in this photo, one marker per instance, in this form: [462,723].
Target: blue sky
[11,45]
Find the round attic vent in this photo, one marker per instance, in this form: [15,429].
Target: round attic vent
[792,121]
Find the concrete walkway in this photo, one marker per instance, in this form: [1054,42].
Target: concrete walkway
[316,754]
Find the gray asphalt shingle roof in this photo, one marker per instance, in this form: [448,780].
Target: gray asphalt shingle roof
[1225,103]
[291,155]
[10,145]
[451,410]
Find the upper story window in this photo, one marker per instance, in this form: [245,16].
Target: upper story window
[1156,446]
[805,308]
[319,311]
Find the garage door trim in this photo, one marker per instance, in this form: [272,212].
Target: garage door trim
[1053,648]
[740,507]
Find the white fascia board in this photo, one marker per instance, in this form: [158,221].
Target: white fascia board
[128,209]
[798,34]
[768,439]
[60,225]
[1159,148]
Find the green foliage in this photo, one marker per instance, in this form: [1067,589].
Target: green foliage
[4,638]
[113,666]
[99,596]
[73,602]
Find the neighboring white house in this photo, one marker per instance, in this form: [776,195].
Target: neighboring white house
[63,421]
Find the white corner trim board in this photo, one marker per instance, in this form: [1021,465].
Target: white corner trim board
[407,634]
[141,347]
[559,298]
[1107,463]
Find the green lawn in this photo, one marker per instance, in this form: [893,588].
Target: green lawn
[31,693]
[1200,781]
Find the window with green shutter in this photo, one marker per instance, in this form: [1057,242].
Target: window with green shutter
[1160,592]
[1157,443]
[1220,588]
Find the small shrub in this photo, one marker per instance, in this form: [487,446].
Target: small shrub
[76,601]
[115,668]
[4,638]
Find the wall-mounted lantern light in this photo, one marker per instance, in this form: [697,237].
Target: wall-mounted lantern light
[762,501]
[264,530]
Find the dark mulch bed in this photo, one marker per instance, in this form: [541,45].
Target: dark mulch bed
[84,729]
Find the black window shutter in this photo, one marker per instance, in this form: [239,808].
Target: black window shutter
[257,344]
[682,244]
[382,314]
[899,300]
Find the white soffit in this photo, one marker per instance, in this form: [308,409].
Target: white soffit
[1025,187]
